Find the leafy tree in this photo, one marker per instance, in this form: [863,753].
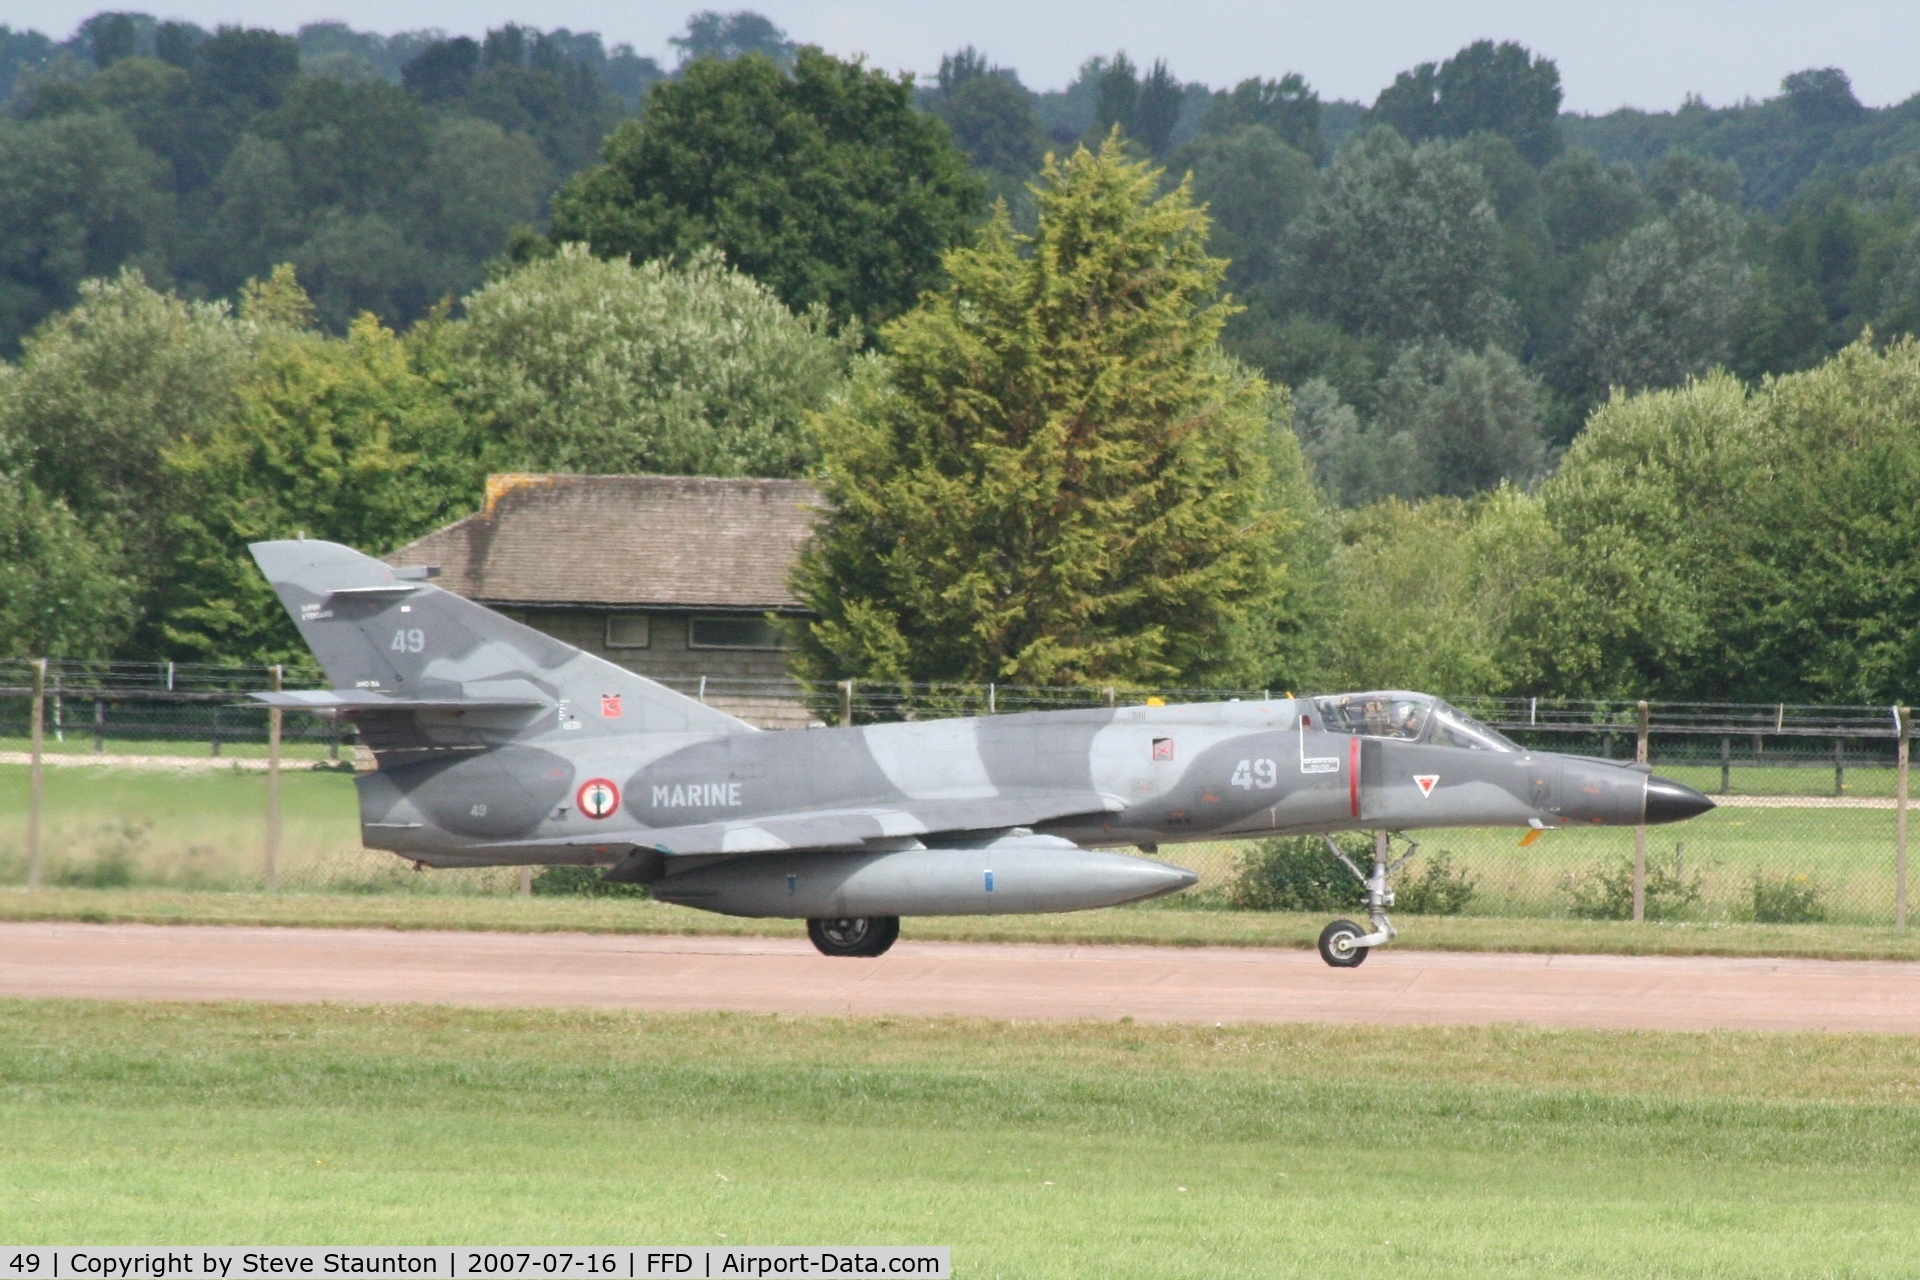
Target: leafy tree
[78,197]
[364,262]
[1158,109]
[1822,97]
[60,596]
[110,37]
[1835,614]
[1403,243]
[346,440]
[579,364]
[833,190]
[1288,106]
[245,68]
[1425,592]
[1351,463]
[356,146]
[481,183]
[257,217]
[1587,203]
[99,396]
[1669,303]
[1254,186]
[529,84]
[1448,422]
[1677,173]
[22,54]
[1634,587]
[1053,475]
[442,71]
[1499,89]
[102,391]
[1900,288]
[726,36]
[990,113]
[1117,96]
[1708,542]
[1479,425]
[174,42]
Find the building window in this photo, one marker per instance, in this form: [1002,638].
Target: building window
[734,633]
[627,631]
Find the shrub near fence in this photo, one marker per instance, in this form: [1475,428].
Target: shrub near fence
[1807,829]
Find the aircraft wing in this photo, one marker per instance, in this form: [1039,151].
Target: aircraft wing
[847,828]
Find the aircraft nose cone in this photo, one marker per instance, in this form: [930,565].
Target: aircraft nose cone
[1670,801]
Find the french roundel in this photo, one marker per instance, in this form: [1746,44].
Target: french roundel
[598,798]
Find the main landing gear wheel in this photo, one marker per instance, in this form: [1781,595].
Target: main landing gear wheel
[854,936]
[1337,944]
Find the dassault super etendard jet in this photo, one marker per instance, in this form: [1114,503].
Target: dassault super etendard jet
[498,744]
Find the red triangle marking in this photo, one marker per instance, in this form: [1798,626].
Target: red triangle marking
[1426,781]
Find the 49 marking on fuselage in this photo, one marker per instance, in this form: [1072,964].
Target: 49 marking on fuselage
[1248,774]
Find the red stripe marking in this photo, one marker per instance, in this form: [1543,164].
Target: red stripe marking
[1353,775]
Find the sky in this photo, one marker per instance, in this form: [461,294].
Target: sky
[1641,53]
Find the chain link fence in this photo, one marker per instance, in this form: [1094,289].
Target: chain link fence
[155,776]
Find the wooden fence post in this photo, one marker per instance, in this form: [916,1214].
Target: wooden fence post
[846,704]
[1900,715]
[273,785]
[39,736]
[1640,831]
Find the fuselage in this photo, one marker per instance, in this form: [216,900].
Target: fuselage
[1141,775]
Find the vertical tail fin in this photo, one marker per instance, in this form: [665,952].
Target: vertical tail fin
[376,631]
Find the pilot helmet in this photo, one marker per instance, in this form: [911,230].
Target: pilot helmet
[1405,714]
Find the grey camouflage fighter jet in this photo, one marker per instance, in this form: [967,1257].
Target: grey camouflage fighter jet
[498,744]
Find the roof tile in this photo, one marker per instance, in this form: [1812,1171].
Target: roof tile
[672,541]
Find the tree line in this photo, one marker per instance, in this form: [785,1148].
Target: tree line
[1140,381]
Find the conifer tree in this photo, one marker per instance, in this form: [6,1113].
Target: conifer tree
[1053,475]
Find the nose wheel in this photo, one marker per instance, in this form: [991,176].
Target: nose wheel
[1344,944]
[854,935]
[1337,944]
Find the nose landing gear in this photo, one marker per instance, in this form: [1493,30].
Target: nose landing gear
[1343,944]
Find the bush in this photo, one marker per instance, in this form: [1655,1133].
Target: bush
[1299,873]
[116,848]
[1605,891]
[1440,888]
[581,882]
[1792,898]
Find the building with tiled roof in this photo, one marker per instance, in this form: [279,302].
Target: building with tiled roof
[669,576]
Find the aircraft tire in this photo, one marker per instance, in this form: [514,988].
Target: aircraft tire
[1342,956]
[853,936]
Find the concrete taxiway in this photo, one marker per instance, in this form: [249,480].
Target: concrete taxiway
[1150,984]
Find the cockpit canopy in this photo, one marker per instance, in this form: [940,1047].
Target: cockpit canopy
[1410,717]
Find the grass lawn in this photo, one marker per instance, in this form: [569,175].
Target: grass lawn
[1149,924]
[1096,1150]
